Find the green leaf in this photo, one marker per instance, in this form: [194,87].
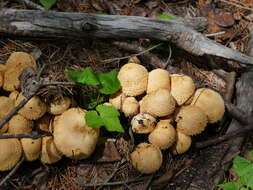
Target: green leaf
[87,76]
[107,111]
[239,164]
[166,16]
[230,186]
[251,154]
[90,101]
[113,124]
[109,81]
[93,119]
[47,4]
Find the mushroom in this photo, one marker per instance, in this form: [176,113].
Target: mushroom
[158,78]
[19,124]
[146,158]
[5,127]
[1,79]
[49,153]
[58,106]
[72,136]
[191,120]
[210,102]
[182,88]
[143,123]
[130,106]
[10,153]
[133,79]
[31,148]
[158,103]
[34,109]
[134,59]
[3,68]
[14,95]
[6,105]
[43,123]
[107,104]
[183,143]
[117,100]
[164,135]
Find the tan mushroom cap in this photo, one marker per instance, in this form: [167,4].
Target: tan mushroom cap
[43,123]
[20,58]
[143,123]
[31,148]
[134,59]
[146,158]
[3,68]
[117,100]
[58,106]
[10,153]
[183,143]
[158,103]
[14,95]
[34,109]
[210,102]
[19,124]
[4,128]
[72,136]
[164,135]
[107,104]
[158,78]
[191,120]
[133,79]
[6,105]
[182,88]
[130,106]
[1,79]
[49,153]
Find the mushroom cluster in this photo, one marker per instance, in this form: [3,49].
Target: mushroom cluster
[167,108]
[70,134]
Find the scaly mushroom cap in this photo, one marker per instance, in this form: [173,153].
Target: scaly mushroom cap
[183,143]
[19,124]
[117,100]
[134,59]
[191,120]
[143,123]
[158,103]
[6,105]
[31,148]
[58,106]
[72,136]
[158,78]
[43,123]
[133,79]
[49,153]
[130,106]
[20,58]
[14,95]
[34,109]
[182,88]
[146,158]
[210,102]
[10,153]
[164,135]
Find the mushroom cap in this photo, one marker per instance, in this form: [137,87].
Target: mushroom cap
[143,123]
[20,58]
[182,88]
[117,99]
[5,127]
[49,153]
[164,135]
[191,120]
[34,109]
[107,104]
[58,106]
[14,95]
[134,59]
[10,153]
[6,105]
[158,103]
[133,79]
[3,68]
[72,136]
[158,78]
[130,106]
[146,158]
[1,79]
[43,123]
[183,143]
[210,102]
[19,124]
[31,148]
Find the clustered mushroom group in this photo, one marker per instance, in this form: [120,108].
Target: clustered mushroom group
[167,108]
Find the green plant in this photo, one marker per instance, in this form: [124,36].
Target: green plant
[107,83]
[47,4]
[166,16]
[244,170]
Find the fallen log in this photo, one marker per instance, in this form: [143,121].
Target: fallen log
[45,24]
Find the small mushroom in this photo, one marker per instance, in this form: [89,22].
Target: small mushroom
[143,123]
[183,143]
[191,120]
[130,106]
[14,95]
[158,103]
[158,78]
[6,105]
[58,106]
[107,104]
[164,135]
[117,100]
[146,158]
[19,125]
[72,136]
[134,59]
[133,79]
[182,88]
[43,123]
[31,148]
[210,102]
[11,152]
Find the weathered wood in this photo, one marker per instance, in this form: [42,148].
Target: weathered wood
[36,23]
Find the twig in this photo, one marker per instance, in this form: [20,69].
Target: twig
[33,135]
[58,83]
[32,4]
[234,4]
[230,80]
[148,183]
[12,172]
[215,34]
